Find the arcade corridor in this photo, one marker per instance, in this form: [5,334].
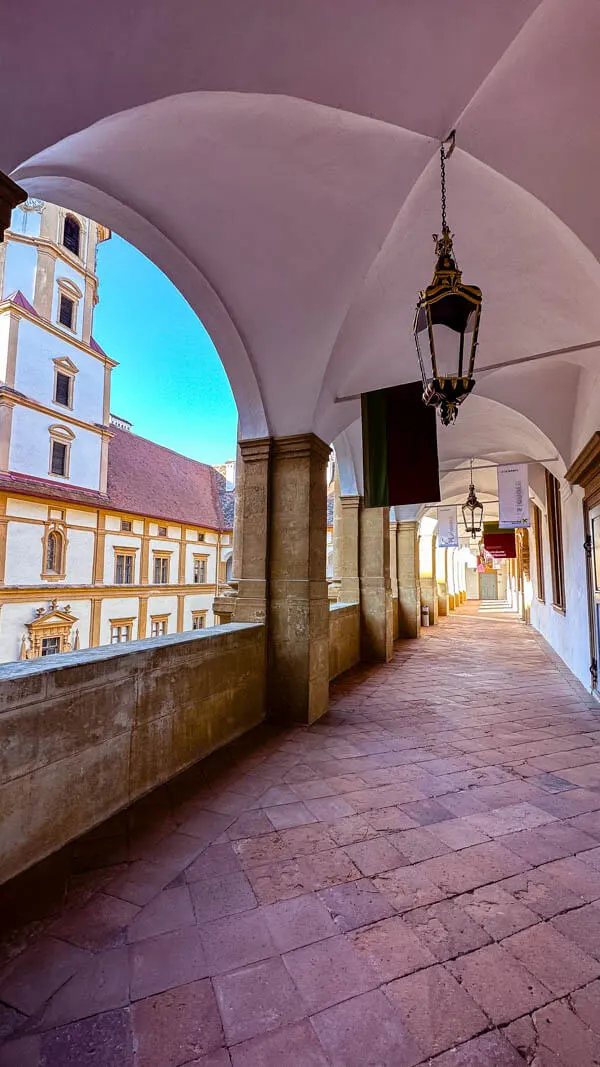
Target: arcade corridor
[419,872]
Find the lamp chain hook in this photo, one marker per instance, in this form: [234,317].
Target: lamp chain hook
[445,154]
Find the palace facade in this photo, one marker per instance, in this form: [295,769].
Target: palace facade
[105,537]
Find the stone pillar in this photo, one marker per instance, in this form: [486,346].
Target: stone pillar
[348,550]
[428,582]
[298,617]
[407,564]
[452,601]
[442,581]
[394,577]
[334,586]
[375,587]
[251,530]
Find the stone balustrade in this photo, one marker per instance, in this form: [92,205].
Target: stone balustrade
[344,637]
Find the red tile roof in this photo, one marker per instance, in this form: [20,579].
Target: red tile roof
[147,479]
[30,486]
[21,301]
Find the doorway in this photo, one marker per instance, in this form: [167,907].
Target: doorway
[488,585]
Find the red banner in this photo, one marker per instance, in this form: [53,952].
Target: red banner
[499,543]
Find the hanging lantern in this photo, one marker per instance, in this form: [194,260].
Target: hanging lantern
[448,312]
[472,511]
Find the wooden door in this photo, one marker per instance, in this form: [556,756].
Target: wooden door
[488,586]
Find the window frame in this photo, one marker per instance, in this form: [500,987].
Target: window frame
[60,435]
[72,292]
[162,558]
[555,537]
[54,529]
[162,531]
[199,617]
[538,535]
[126,553]
[126,526]
[70,218]
[159,621]
[200,559]
[120,625]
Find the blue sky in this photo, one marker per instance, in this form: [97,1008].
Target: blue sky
[170,382]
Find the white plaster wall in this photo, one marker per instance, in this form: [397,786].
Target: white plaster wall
[472,579]
[30,449]
[83,610]
[24,553]
[81,518]
[26,509]
[163,605]
[118,608]
[72,274]
[113,522]
[201,549]
[80,557]
[198,603]
[137,525]
[120,540]
[36,350]
[4,332]
[568,634]
[26,222]
[19,271]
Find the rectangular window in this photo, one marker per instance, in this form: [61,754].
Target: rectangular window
[50,646]
[161,570]
[66,311]
[198,620]
[539,553]
[557,564]
[201,537]
[126,525]
[58,460]
[200,571]
[120,633]
[162,531]
[62,389]
[123,569]
[158,627]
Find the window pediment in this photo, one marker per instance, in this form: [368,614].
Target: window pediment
[65,364]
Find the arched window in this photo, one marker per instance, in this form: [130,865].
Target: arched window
[72,234]
[54,552]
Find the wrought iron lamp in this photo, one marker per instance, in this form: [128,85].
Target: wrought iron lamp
[472,511]
[448,312]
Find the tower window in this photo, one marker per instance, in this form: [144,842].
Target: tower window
[62,389]
[54,553]
[72,235]
[58,459]
[66,311]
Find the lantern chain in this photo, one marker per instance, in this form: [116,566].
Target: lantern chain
[443,184]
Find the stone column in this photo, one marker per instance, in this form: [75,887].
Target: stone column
[348,550]
[251,530]
[409,595]
[375,586]
[334,586]
[298,619]
[442,581]
[452,601]
[429,594]
[394,577]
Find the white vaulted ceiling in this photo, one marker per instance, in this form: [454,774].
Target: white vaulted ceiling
[280,163]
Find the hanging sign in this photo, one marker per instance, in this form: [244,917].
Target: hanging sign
[447,528]
[513,495]
[499,543]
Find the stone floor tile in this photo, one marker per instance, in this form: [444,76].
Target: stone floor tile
[496,911]
[488,1050]
[215,860]
[225,802]
[586,1003]
[408,887]
[559,963]
[177,1026]
[295,1045]
[447,929]
[166,961]
[328,809]
[280,881]
[330,971]
[101,985]
[355,904]
[102,1041]
[582,926]
[299,921]
[457,834]
[588,777]
[215,898]
[560,1030]
[374,856]
[255,851]
[237,941]
[351,829]
[277,794]
[22,1052]
[591,856]
[219,1058]
[435,1009]
[284,815]
[306,840]
[205,825]
[140,882]
[313,789]
[170,910]
[453,873]
[257,999]
[499,983]
[576,876]
[10,1020]
[175,851]
[541,893]
[249,824]
[32,977]
[365,1032]
[328,868]
[427,812]
[464,803]
[392,948]
[99,924]
[419,844]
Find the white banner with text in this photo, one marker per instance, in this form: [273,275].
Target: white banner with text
[447,529]
[513,495]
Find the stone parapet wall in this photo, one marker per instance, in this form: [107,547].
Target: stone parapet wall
[84,734]
[344,637]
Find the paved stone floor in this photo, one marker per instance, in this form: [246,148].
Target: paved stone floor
[414,880]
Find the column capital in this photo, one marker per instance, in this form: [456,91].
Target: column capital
[256,448]
[350,502]
[300,446]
